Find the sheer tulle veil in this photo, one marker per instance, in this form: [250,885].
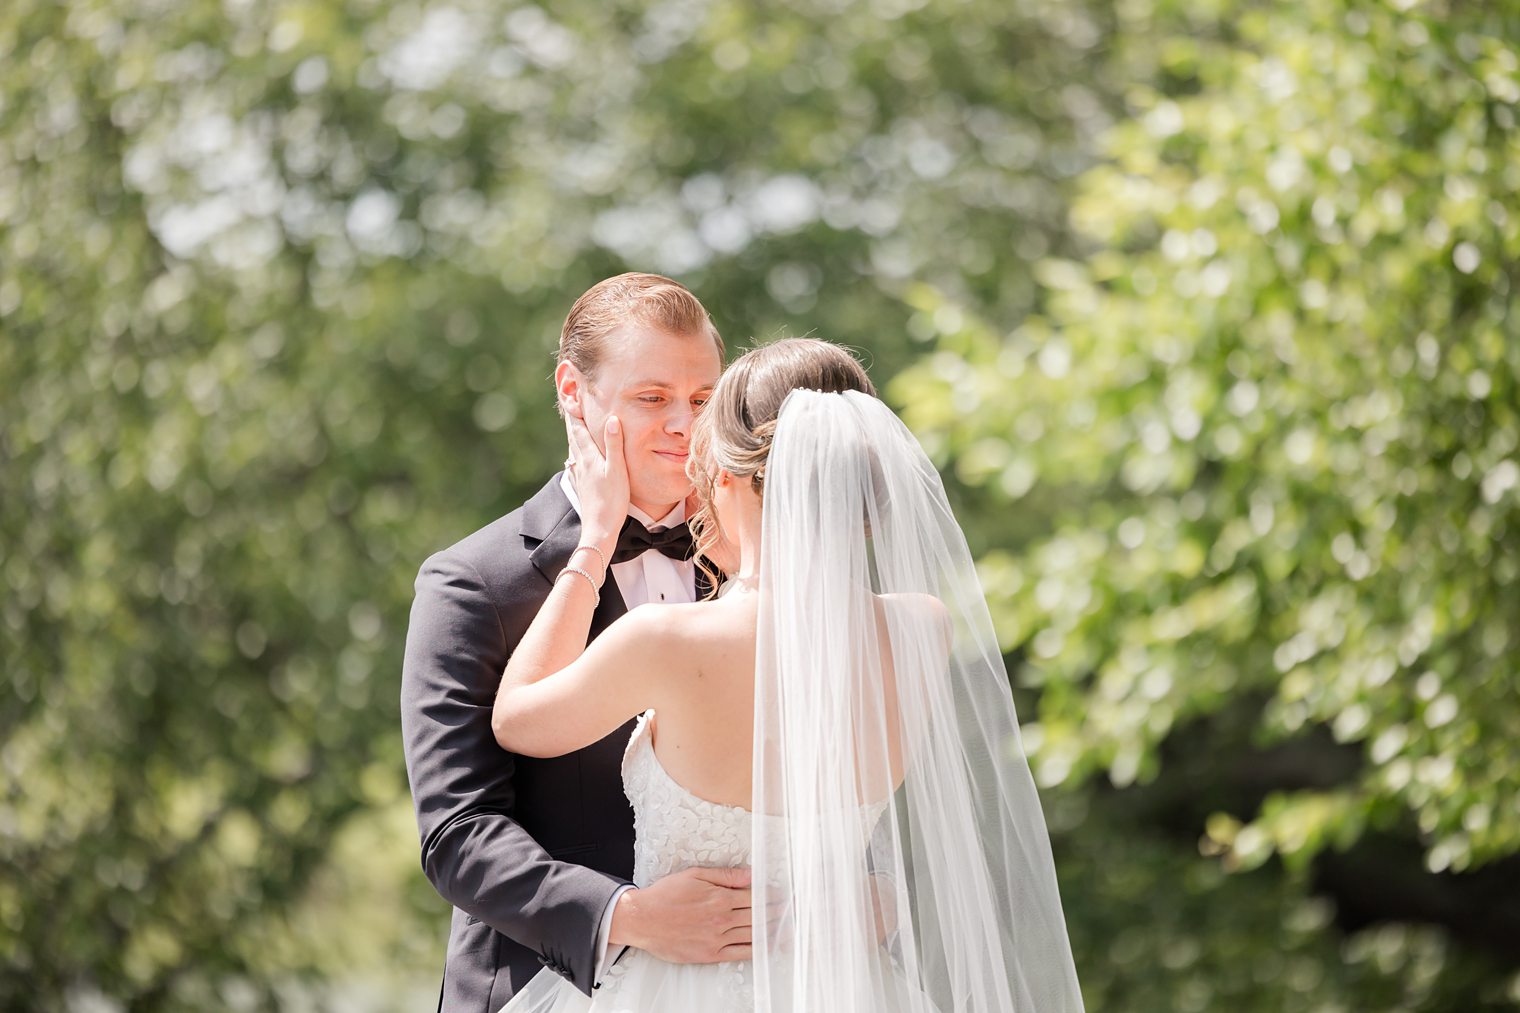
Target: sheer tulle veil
[899,837]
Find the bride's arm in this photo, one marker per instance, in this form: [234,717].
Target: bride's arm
[536,715]
[543,712]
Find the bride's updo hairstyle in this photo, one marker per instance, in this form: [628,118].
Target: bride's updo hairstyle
[734,431]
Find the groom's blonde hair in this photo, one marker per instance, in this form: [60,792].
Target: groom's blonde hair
[649,299]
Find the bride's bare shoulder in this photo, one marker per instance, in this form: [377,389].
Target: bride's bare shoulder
[692,637]
[682,621]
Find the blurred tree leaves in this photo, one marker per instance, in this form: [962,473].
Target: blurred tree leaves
[1262,438]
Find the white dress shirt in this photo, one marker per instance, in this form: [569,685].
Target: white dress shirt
[649,577]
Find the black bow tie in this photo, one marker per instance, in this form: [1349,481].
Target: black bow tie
[635,540]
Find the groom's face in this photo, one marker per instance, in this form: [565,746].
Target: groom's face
[655,383]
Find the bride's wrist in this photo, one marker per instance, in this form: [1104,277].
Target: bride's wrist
[593,555]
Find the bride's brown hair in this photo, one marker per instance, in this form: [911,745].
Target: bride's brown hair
[735,429]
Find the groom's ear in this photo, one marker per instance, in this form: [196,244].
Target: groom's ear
[568,386]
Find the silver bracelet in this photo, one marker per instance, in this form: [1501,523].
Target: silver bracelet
[594,589]
[599,555]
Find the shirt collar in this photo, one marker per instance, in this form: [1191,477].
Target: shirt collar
[670,520]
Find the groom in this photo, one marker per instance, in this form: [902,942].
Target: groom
[536,855]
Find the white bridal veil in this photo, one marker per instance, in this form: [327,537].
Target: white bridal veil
[899,835]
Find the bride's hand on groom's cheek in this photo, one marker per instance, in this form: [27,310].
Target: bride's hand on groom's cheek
[600,478]
[696,916]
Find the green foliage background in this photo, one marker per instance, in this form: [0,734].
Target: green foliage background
[1206,309]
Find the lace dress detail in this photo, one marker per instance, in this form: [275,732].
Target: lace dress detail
[676,830]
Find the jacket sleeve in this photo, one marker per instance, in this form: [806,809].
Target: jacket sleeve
[474,853]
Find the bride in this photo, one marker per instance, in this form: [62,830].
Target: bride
[838,719]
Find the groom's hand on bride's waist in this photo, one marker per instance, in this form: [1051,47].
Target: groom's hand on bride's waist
[696,916]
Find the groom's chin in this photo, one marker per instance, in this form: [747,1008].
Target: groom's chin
[663,493]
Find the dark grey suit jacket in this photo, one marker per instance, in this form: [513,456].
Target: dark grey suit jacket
[528,851]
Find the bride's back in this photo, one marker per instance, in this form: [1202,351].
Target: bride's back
[704,727]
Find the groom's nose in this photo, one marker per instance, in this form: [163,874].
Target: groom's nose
[678,422]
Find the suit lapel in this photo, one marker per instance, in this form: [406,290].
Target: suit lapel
[549,519]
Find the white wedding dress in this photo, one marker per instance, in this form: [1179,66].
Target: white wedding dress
[674,830]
